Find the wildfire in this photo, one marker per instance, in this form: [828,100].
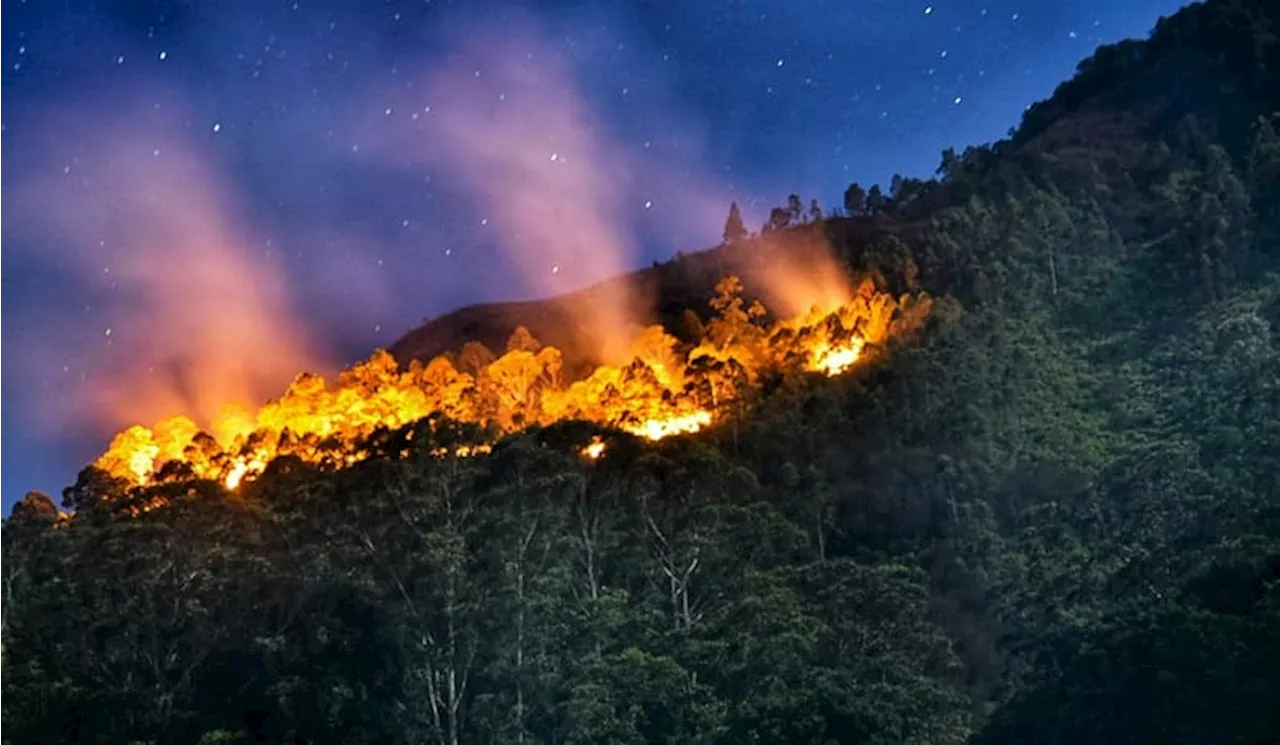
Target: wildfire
[241,467]
[656,429]
[594,449]
[833,360]
[668,389]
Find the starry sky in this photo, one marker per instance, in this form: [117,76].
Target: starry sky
[202,199]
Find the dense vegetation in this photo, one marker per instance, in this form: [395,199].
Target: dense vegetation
[1053,517]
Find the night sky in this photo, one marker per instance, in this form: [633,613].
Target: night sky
[201,199]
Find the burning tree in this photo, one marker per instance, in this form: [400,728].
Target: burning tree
[666,388]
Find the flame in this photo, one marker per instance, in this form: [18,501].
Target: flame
[594,449]
[656,429]
[802,275]
[243,467]
[667,389]
[833,360]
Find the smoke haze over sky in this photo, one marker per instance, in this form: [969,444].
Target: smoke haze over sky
[202,199]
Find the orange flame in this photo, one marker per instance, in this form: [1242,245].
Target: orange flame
[802,275]
[594,449]
[667,390]
[656,429]
[833,360]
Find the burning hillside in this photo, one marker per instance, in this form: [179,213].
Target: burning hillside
[668,388]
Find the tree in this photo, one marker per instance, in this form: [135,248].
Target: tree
[474,358]
[1263,171]
[815,211]
[36,506]
[734,229]
[795,208]
[950,165]
[875,200]
[1206,219]
[525,553]
[523,341]
[417,524]
[855,199]
[779,218]
[515,377]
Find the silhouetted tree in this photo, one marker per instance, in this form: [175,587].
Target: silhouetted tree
[523,341]
[875,200]
[950,164]
[734,229]
[779,218]
[36,506]
[795,209]
[855,199]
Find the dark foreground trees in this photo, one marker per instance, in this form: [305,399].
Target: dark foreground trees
[534,595]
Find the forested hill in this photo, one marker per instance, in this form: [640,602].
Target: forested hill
[1052,516]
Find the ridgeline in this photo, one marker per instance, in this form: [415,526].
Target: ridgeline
[1051,514]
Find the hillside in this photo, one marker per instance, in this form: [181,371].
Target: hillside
[1094,138]
[666,290]
[1038,505]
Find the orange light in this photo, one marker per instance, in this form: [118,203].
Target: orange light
[656,429]
[833,360]
[659,394]
[594,449]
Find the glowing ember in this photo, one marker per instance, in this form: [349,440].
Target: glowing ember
[656,429]
[462,451]
[667,389]
[237,473]
[594,449]
[835,360]
[243,467]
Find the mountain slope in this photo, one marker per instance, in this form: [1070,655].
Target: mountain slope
[1098,137]
[1050,517]
[667,290]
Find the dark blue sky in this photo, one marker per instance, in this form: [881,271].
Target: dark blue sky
[202,197]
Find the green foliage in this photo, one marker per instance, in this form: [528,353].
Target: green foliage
[1049,517]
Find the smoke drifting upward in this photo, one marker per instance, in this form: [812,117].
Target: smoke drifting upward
[804,275]
[508,128]
[190,319]
[504,123]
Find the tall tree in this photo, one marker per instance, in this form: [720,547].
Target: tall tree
[855,199]
[875,199]
[779,218]
[795,208]
[734,229]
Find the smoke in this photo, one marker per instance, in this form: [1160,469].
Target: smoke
[157,293]
[506,121]
[802,275]
[191,313]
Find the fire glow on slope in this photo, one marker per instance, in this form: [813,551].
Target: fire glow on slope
[667,389]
